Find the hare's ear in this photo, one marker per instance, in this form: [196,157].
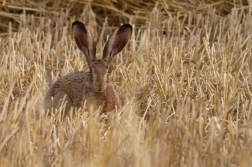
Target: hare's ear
[116,42]
[84,41]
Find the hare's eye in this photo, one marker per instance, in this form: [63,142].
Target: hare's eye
[90,69]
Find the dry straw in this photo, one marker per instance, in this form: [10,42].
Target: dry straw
[117,11]
[185,76]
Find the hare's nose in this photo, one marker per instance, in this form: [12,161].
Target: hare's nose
[100,89]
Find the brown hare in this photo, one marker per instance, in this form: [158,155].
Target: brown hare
[94,86]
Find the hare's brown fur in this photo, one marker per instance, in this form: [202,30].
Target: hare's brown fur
[93,87]
[77,92]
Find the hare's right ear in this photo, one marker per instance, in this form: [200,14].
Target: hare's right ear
[84,41]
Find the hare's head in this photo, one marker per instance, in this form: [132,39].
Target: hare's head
[99,69]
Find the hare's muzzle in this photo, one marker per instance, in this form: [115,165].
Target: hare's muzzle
[100,88]
[99,84]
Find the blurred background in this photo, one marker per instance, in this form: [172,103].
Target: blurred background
[116,11]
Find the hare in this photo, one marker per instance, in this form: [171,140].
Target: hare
[94,86]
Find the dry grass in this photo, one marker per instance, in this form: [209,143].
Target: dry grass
[186,80]
[116,11]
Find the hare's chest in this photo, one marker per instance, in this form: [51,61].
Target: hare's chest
[93,100]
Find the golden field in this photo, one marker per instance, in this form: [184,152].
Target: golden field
[185,77]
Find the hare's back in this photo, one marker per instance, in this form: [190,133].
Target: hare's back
[73,83]
[70,88]
[70,84]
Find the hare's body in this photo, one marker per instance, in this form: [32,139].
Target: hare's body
[73,89]
[93,87]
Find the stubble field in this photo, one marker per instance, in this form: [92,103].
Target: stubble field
[185,77]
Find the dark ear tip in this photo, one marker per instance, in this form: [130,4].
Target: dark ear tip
[77,23]
[126,26]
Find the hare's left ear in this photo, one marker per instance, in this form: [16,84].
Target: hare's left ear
[116,42]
